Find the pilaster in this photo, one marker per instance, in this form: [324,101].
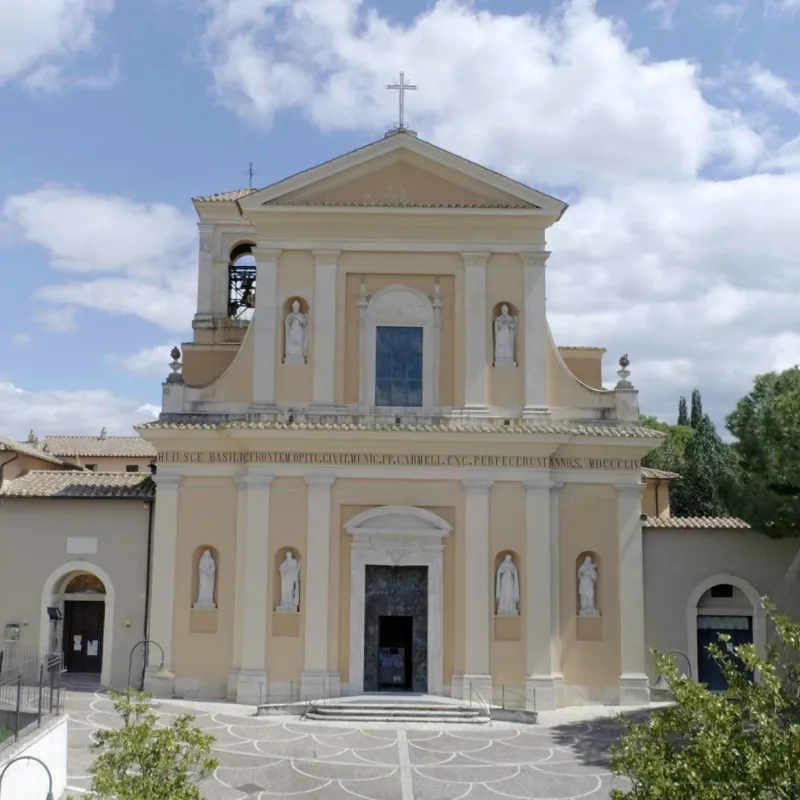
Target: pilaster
[633,682]
[251,680]
[162,593]
[540,683]
[536,337]
[205,270]
[477,678]
[324,325]
[265,326]
[475,334]
[317,680]
[238,589]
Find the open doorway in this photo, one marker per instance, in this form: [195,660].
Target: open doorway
[395,648]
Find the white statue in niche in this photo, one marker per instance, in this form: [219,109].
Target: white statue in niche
[290,583]
[507,587]
[505,329]
[587,578]
[296,326]
[207,569]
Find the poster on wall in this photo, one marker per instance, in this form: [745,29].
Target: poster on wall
[76,642]
[12,632]
[91,647]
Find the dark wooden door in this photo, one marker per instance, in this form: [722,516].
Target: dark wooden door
[83,635]
[740,630]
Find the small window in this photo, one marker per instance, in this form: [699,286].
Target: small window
[722,590]
[398,367]
[92,467]
[132,468]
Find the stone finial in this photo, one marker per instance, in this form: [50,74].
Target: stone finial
[33,439]
[623,373]
[175,365]
[103,432]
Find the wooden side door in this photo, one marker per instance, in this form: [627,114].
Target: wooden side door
[83,635]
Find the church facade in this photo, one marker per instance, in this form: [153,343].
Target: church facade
[376,470]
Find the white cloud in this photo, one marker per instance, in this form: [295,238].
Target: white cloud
[151,362]
[21,339]
[665,9]
[563,99]
[59,412]
[147,250]
[774,88]
[37,37]
[728,12]
[57,320]
[782,6]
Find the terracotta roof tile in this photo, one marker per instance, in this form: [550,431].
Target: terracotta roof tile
[580,429]
[716,523]
[95,447]
[222,197]
[578,347]
[23,448]
[79,483]
[660,474]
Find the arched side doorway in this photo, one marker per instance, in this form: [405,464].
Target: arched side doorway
[85,596]
[722,604]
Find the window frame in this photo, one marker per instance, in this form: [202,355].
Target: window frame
[402,306]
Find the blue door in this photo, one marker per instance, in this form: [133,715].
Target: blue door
[740,629]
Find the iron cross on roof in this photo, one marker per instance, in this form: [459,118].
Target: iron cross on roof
[402,87]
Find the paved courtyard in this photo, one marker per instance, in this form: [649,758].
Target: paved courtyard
[263,757]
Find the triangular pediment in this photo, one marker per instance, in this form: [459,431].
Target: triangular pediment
[402,171]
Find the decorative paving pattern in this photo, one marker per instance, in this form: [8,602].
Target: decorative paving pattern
[263,758]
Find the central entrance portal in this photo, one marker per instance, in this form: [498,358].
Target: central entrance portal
[396,629]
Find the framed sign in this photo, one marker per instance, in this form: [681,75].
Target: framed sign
[12,632]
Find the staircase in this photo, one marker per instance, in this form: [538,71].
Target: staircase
[405,710]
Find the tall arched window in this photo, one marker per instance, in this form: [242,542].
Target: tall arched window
[241,282]
[398,350]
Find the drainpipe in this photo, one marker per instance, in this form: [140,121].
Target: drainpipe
[658,483]
[3,466]
[146,630]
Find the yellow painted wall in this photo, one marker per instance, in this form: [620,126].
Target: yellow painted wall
[589,523]
[507,534]
[206,517]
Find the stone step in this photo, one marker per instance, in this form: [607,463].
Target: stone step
[396,712]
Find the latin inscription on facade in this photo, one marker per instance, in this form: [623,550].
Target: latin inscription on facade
[399,460]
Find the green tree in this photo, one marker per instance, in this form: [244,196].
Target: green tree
[140,761]
[670,455]
[766,424]
[708,463]
[740,744]
[697,409]
[683,414]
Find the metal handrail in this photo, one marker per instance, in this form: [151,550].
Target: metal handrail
[517,693]
[481,701]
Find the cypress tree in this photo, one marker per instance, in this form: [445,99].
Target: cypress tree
[697,409]
[683,414]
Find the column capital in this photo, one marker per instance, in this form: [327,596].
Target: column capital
[319,481]
[535,259]
[475,484]
[255,476]
[266,253]
[168,480]
[630,489]
[540,486]
[326,256]
[475,259]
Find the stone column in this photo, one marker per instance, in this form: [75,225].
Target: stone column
[633,682]
[162,592]
[479,609]
[265,326]
[205,271]
[555,591]
[475,334]
[238,589]
[317,680]
[323,320]
[536,337]
[251,681]
[540,684]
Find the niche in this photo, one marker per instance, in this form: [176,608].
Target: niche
[290,603]
[588,578]
[507,622]
[295,330]
[195,582]
[505,329]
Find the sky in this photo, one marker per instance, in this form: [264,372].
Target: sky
[672,128]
